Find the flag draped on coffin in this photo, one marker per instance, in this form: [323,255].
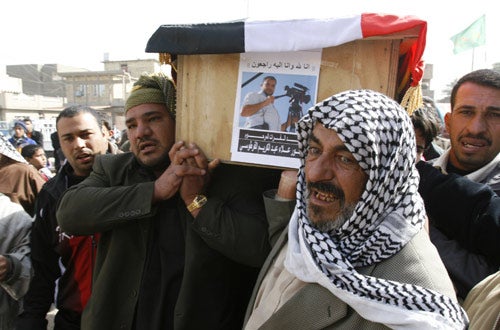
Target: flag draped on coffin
[293,35]
[473,36]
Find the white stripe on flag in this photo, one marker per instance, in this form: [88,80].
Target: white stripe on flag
[296,35]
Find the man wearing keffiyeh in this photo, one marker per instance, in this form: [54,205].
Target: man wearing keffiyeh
[355,255]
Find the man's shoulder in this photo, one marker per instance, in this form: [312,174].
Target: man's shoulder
[255,97]
[55,185]
[116,158]
[25,168]
[493,179]
[417,263]
[113,162]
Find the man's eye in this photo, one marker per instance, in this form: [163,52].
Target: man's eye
[494,117]
[345,160]
[466,112]
[313,151]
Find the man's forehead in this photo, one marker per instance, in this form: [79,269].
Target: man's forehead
[326,134]
[145,110]
[474,95]
[77,124]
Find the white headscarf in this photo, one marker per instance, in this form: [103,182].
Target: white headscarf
[390,212]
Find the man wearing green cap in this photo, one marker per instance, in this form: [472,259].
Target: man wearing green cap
[180,243]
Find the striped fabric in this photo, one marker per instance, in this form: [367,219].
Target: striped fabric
[390,212]
[289,36]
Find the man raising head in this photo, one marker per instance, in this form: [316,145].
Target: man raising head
[356,255]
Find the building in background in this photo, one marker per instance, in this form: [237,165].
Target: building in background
[426,81]
[40,92]
[107,90]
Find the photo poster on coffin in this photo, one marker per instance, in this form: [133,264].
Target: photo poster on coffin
[268,137]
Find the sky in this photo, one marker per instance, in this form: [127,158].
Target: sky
[80,33]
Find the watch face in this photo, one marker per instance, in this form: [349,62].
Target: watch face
[200,200]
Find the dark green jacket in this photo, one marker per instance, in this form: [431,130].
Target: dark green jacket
[225,245]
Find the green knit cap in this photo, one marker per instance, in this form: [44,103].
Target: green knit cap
[154,88]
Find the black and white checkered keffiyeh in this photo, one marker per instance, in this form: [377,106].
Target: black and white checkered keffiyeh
[379,134]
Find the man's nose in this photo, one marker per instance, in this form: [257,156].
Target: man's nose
[321,169]
[80,143]
[142,130]
[478,124]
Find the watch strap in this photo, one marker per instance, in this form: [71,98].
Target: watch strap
[197,202]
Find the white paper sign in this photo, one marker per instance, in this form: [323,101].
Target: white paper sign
[266,134]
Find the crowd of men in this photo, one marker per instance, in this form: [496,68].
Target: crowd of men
[378,228]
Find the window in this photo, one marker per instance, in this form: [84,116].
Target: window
[99,90]
[80,90]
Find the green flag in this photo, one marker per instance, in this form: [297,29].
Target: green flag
[473,36]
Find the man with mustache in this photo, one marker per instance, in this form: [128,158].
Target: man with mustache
[181,241]
[468,245]
[63,263]
[355,254]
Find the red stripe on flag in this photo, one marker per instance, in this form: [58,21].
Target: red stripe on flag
[379,24]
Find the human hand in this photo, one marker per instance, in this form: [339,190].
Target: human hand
[4,267]
[287,185]
[269,100]
[169,182]
[196,185]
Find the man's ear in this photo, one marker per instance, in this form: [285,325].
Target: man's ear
[447,120]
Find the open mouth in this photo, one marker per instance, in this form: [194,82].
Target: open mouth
[473,145]
[147,146]
[324,197]
[84,157]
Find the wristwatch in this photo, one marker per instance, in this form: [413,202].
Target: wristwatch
[197,202]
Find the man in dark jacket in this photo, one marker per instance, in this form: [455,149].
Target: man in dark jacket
[60,259]
[469,248]
[176,250]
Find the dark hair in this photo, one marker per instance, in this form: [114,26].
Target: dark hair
[269,77]
[483,77]
[29,150]
[426,120]
[75,110]
[106,124]
[27,119]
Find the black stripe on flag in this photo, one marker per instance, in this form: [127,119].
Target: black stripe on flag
[213,38]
